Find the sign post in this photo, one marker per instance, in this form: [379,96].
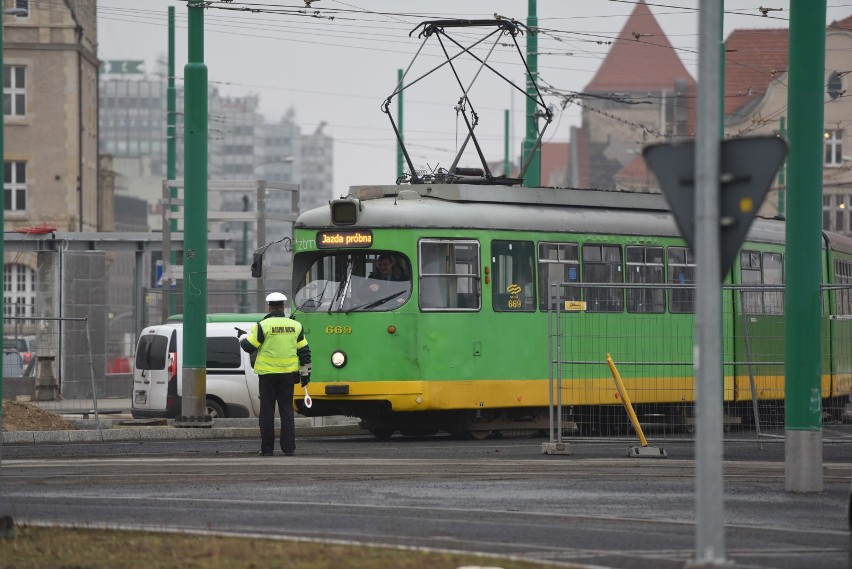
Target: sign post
[714,189]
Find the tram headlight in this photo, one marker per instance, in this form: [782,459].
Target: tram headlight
[338,359]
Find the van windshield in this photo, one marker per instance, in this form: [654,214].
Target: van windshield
[352,281]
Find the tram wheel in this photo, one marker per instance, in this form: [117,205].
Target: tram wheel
[382,433]
[479,435]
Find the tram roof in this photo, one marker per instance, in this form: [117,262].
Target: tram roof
[461,206]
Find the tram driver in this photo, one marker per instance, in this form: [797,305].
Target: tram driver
[386,270]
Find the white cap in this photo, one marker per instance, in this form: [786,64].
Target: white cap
[275,297]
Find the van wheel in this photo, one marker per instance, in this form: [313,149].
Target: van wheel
[215,410]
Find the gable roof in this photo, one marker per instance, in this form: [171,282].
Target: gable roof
[844,24]
[753,59]
[641,59]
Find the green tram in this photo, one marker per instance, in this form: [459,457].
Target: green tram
[426,305]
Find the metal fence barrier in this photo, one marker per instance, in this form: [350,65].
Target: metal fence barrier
[647,331]
[49,361]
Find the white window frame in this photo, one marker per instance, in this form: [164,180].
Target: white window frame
[14,95]
[19,290]
[833,148]
[15,190]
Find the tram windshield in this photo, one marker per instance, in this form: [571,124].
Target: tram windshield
[351,281]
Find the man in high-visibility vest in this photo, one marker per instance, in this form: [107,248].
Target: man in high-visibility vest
[283,359]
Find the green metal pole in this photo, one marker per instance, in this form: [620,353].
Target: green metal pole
[722,53]
[193,405]
[506,170]
[399,157]
[532,178]
[803,401]
[5,532]
[243,284]
[782,175]
[171,145]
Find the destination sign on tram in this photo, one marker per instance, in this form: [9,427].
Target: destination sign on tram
[337,239]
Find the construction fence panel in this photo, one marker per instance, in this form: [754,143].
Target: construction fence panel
[621,362]
[49,361]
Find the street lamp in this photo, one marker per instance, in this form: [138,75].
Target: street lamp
[7,523]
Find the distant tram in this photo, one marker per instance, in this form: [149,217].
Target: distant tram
[426,305]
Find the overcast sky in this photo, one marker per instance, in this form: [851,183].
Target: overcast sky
[337,62]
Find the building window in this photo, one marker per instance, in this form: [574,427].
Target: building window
[18,290]
[23,5]
[15,90]
[833,147]
[15,186]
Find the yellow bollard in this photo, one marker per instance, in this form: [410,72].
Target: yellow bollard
[625,400]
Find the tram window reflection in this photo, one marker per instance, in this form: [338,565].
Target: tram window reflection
[513,277]
[350,281]
[558,263]
[645,267]
[449,275]
[602,265]
[681,271]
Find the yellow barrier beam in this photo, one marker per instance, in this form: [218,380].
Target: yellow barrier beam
[625,400]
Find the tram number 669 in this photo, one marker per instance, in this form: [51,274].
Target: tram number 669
[514,303]
[338,329]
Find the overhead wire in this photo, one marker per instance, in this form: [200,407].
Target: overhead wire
[369,19]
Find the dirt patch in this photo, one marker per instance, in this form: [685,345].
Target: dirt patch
[19,416]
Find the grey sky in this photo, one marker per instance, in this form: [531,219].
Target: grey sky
[340,70]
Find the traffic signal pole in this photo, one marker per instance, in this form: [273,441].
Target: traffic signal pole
[802,306]
[709,514]
[194,392]
[532,177]
[171,150]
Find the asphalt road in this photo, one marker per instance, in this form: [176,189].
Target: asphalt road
[596,507]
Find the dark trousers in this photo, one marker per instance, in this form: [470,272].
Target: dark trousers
[277,388]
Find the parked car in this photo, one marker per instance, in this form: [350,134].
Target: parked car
[25,345]
[13,363]
[232,385]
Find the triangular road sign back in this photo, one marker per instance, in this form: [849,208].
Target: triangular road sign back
[747,167]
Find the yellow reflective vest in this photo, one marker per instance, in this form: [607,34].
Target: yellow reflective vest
[276,338]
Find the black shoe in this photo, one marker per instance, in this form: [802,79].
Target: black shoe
[264,453]
[291,453]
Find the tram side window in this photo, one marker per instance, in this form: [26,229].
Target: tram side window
[558,263]
[681,271]
[750,268]
[602,265]
[513,276]
[645,266]
[773,274]
[449,275]
[843,296]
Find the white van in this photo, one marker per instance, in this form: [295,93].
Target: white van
[232,389]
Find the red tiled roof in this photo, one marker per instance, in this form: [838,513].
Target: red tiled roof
[635,170]
[753,59]
[844,24]
[648,62]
